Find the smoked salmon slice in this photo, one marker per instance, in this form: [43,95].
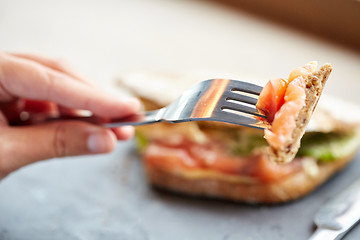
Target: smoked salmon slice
[281,101]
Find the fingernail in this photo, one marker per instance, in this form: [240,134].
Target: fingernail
[101,142]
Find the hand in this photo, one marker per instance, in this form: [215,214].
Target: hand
[32,87]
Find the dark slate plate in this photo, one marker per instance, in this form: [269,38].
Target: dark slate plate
[107,197]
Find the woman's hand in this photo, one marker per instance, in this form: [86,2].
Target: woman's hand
[33,88]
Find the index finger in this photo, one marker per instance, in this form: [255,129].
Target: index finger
[28,79]
[55,64]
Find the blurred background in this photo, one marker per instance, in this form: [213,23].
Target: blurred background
[99,197]
[244,39]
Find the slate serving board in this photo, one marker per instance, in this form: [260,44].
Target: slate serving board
[107,197]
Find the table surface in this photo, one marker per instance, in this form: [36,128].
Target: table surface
[106,196]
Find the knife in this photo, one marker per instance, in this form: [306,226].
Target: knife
[338,215]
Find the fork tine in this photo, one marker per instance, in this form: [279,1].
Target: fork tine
[241,108]
[236,85]
[239,97]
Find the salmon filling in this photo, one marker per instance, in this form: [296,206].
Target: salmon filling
[281,101]
[191,156]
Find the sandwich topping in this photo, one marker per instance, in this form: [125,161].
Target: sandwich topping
[234,154]
[223,152]
[187,156]
[281,101]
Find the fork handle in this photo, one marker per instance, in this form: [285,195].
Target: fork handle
[144,118]
[133,120]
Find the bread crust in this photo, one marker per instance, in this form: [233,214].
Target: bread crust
[287,189]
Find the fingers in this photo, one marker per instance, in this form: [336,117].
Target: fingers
[37,78]
[25,145]
[24,78]
[57,65]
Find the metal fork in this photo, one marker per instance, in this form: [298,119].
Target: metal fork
[220,100]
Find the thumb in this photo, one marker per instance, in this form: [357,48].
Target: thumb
[24,145]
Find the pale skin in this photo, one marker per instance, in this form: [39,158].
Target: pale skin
[56,86]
